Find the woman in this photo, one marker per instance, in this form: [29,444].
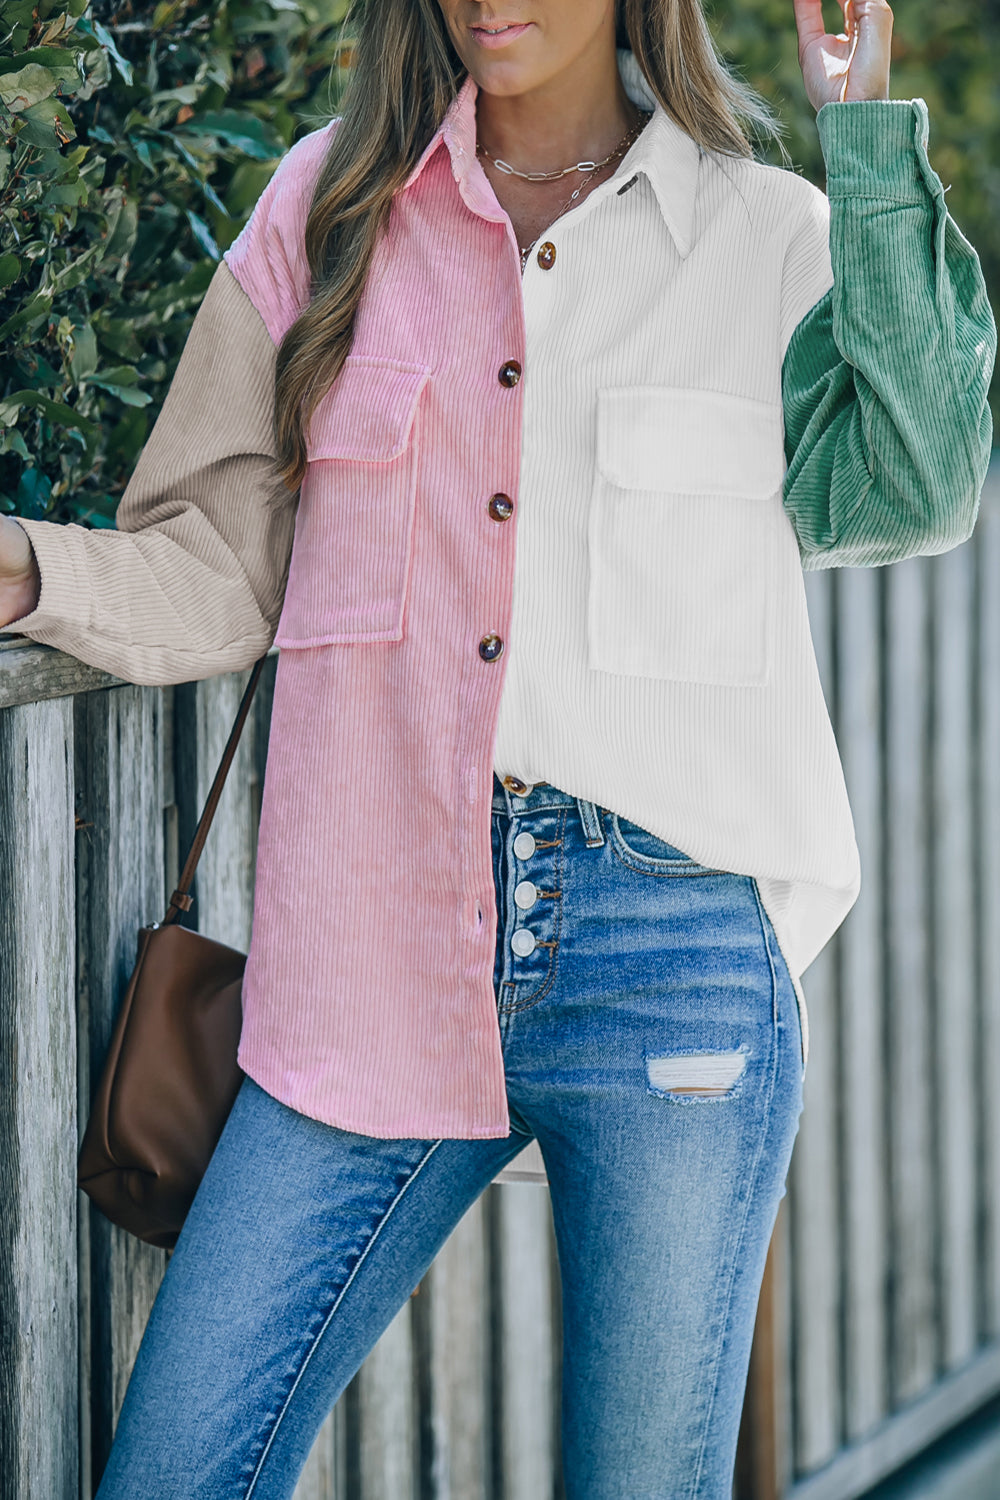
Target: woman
[546,842]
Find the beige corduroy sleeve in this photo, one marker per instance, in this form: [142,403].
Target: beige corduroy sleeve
[192,581]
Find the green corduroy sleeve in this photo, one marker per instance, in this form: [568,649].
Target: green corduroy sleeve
[885,380]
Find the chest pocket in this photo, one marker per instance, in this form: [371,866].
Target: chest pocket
[354,526]
[684,529]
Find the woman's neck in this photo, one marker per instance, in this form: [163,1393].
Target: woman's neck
[580,115]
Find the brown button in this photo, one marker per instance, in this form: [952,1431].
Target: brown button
[516,785]
[509,372]
[491,647]
[501,507]
[547,255]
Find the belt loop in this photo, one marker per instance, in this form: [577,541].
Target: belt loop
[591,824]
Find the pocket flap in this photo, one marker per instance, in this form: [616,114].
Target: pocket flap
[367,414]
[690,442]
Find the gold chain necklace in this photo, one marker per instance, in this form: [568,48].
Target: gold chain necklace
[591,168]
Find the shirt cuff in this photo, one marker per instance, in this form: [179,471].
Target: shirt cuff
[877,148]
[64,599]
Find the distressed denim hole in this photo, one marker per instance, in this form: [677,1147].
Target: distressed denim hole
[710,1075]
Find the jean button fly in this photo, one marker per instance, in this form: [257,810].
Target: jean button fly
[524,846]
[522,942]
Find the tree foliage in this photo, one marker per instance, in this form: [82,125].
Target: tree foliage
[136,138]
[135,142]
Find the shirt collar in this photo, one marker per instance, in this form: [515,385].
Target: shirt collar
[664,153]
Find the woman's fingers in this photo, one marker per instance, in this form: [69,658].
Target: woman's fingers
[852,65]
[869,67]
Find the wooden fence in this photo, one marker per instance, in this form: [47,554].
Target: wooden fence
[878,1320]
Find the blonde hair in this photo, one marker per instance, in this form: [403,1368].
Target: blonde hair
[406,74]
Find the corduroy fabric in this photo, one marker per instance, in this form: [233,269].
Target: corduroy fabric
[657,652]
[191,583]
[885,381]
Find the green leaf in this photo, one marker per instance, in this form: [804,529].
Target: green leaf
[107,41]
[66,195]
[122,229]
[125,440]
[34,311]
[119,335]
[122,381]
[11,441]
[56,411]
[248,134]
[15,11]
[10,269]
[83,358]
[143,151]
[32,494]
[185,93]
[45,124]
[56,59]
[97,520]
[28,86]
[203,234]
[125,393]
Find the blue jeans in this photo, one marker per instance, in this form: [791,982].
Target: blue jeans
[652,1045]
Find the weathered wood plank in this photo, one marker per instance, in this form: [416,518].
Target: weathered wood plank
[38,1129]
[763,1447]
[524,1347]
[323,1477]
[31,673]
[385,1446]
[120,886]
[911,1100]
[954,939]
[452,1328]
[813,1190]
[203,718]
[988,855]
[860,1009]
[814,1235]
[860,1466]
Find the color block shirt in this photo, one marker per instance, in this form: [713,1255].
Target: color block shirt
[718,377]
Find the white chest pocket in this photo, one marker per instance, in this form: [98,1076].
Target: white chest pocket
[354,527]
[685,525]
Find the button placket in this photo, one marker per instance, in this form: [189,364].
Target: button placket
[533,908]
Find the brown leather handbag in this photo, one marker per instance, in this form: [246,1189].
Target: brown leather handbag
[171,1076]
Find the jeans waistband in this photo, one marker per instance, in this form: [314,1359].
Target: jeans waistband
[541,797]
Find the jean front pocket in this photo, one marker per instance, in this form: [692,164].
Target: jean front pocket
[354,526]
[641,850]
[686,522]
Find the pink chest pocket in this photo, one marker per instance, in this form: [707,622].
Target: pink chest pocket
[354,527]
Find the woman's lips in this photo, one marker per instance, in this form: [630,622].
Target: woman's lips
[493,38]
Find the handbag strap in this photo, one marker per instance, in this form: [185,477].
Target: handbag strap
[181,900]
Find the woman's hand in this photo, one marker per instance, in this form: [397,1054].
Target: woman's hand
[20,580]
[855,65]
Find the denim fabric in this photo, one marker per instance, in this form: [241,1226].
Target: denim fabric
[650,977]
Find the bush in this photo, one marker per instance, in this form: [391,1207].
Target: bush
[137,141]
[137,137]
